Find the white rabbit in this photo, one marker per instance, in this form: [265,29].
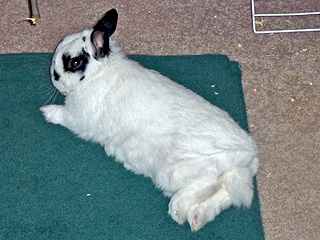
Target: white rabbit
[193,151]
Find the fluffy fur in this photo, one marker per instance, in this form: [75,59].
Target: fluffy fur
[193,151]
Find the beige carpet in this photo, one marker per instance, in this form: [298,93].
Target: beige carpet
[281,78]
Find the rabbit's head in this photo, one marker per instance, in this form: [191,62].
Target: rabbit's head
[78,56]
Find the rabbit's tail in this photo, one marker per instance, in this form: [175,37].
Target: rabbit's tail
[239,185]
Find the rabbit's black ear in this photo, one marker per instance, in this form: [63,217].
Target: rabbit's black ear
[103,29]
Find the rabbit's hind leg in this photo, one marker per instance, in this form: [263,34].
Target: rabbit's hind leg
[195,193]
[236,189]
[206,211]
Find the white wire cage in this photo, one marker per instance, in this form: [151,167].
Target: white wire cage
[255,15]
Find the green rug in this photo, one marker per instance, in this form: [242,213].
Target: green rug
[57,186]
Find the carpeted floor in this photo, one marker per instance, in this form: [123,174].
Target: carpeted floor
[280,79]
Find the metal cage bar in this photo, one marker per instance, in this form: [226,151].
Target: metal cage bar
[254,15]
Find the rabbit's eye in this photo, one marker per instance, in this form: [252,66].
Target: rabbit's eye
[75,63]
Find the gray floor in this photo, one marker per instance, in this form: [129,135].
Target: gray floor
[280,78]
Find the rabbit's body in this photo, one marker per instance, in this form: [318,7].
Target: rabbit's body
[193,151]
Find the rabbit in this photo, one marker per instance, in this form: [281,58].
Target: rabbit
[193,151]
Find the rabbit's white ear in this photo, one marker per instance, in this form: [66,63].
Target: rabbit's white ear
[103,29]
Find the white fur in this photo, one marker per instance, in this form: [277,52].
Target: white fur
[193,151]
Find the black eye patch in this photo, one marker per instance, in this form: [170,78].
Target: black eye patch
[56,75]
[74,64]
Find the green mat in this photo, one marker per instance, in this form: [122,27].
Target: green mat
[57,186]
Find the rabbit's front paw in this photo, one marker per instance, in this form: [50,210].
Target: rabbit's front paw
[53,113]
